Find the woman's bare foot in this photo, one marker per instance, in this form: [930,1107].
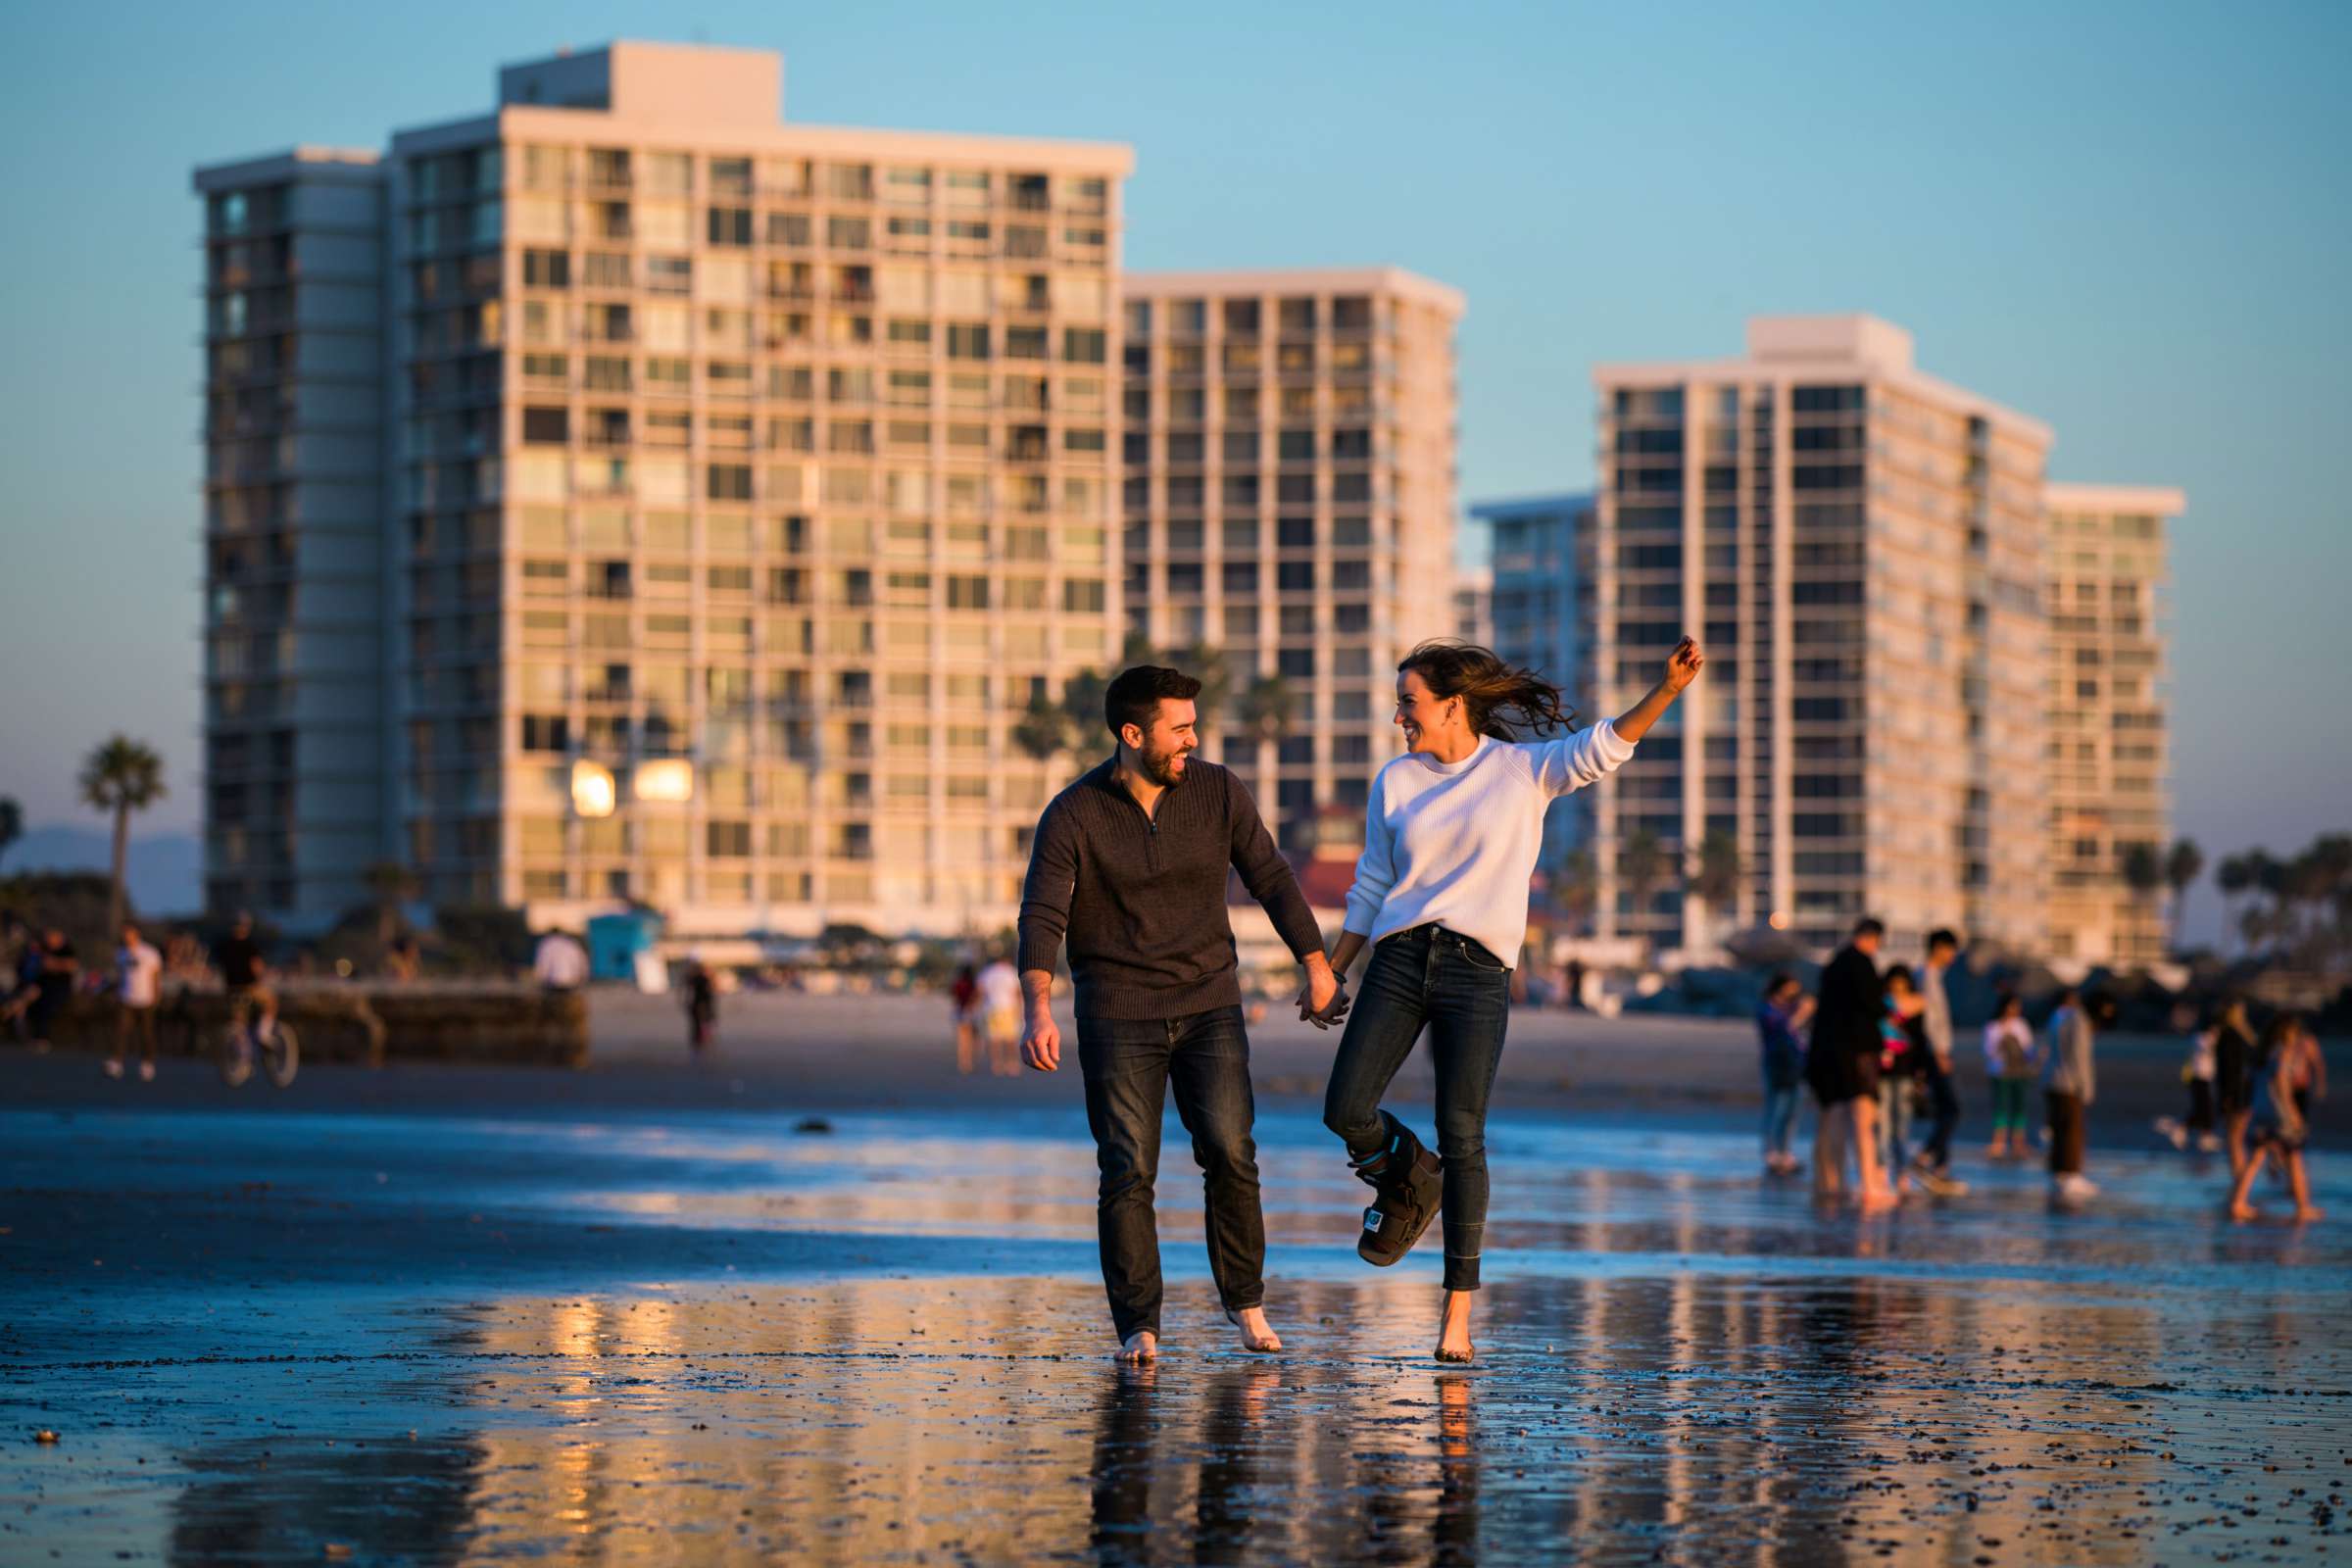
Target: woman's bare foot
[2308,1212]
[1257,1333]
[1879,1200]
[1142,1345]
[2242,1213]
[1453,1329]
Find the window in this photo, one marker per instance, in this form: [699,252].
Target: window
[546,427]
[1084,345]
[730,226]
[968,340]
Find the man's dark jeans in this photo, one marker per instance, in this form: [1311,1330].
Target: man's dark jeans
[1429,977]
[1128,1064]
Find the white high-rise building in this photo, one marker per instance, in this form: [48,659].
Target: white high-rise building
[628,494]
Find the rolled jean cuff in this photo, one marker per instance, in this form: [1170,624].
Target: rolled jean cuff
[1248,1297]
[1461,1273]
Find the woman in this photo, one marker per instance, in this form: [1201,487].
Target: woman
[1452,833]
[2293,1075]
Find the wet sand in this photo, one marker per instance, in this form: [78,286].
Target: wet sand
[473,1321]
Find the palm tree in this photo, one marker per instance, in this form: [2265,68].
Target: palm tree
[1715,873]
[2234,876]
[1043,731]
[1576,886]
[1264,712]
[122,776]
[2142,869]
[12,822]
[1641,866]
[393,884]
[1206,664]
[2181,867]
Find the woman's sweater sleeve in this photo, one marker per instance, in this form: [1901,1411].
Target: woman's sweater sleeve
[1375,868]
[1571,761]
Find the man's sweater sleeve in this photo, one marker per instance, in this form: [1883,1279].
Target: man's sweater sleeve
[1267,875]
[1048,889]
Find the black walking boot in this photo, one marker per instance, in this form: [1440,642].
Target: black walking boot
[1407,1182]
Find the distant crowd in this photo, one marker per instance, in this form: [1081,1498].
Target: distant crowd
[1875,1049]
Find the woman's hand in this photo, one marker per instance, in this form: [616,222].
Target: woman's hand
[1683,665]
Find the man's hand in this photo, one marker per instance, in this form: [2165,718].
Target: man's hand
[1683,665]
[1041,1042]
[1322,1001]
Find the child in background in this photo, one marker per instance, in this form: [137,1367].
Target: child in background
[1899,1066]
[1778,1016]
[2197,1073]
[2291,1080]
[2012,1060]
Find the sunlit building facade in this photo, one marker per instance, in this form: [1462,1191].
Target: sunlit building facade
[741,483]
[1859,545]
[1532,615]
[1289,500]
[2109,726]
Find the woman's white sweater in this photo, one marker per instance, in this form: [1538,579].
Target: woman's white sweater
[1455,843]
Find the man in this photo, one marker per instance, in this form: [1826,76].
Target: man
[559,962]
[1130,865]
[244,974]
[1842,1064]
[2072,1084]
[53,985]
[138,986]
[1935,1160]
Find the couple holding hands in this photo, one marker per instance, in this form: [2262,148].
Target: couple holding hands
[1129,866]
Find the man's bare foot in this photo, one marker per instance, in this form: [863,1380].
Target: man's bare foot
[1257,1333]
[1879,1200]
[1453,1329]
[2308,1212]
[1142,1345]
[2242,1213]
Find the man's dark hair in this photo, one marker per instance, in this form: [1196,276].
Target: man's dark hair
[1137,694]
[1942,937]
[1870,926]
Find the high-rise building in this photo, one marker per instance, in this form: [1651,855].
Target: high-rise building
[1859,546]
[663,502]
[1289,500]
[2107,734]
[296,796]
[1474,605]
[1534,615]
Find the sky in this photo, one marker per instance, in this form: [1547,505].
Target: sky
[2131,221]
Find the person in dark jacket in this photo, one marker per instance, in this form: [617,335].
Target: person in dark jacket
[2234,1061]
[1842,1067]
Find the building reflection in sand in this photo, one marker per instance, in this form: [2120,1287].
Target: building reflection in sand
[1792,1421]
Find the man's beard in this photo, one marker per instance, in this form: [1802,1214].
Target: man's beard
[1156,768]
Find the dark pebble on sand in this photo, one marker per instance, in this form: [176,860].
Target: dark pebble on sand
[812,1124]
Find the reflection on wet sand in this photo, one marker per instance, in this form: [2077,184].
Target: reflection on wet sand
[1700,1417]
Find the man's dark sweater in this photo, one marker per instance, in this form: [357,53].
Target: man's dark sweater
[1142,899]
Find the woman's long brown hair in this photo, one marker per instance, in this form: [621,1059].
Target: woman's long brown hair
[1500,698]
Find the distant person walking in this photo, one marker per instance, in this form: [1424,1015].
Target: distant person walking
[1783,1010]
[2294,1078]
[2013,1062]
[53,985]
[702,1007]
[1129,865]
[1904,1046]
[2234,1060]
[1451,834]
[1000,989]
[1842,1067]
[559,962]
[2197,1076]
[2071,1086]
[963,1006]
[1935,1074]
[138,987]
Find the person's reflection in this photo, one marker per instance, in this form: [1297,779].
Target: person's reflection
[1123,1467]
[1231,1459]
[1453,1535]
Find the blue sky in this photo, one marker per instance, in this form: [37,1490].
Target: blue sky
[2130,220]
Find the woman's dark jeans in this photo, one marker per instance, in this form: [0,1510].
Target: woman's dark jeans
[1460,992]
[1128,1064]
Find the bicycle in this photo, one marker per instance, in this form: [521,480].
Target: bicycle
[239,1043]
